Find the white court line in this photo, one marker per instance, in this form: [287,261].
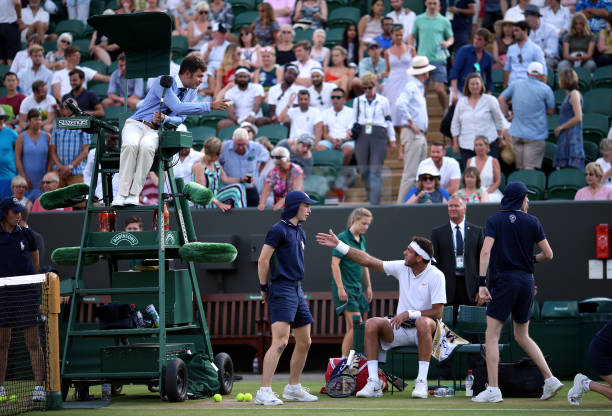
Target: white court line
[415,409]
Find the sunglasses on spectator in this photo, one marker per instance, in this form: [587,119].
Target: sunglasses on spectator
[203,12]
[286,31]
[47,182]
[65,41]
[277,157]
[520,58]
[20,186]
[336,97]
[590,174]
[427,178]
[368,88]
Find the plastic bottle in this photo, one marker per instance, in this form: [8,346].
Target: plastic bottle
[140,323]
[256,365]
[106,392]
[444,392]
[469,384]
[166,218]
[103,220]
[154,315]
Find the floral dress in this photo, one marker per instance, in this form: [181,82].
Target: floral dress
[281,186]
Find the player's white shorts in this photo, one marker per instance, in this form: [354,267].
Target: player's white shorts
[401,337]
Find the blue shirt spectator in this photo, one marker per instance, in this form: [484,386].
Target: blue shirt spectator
[238,165]
[467,62]
[8,137]
[68,144]
[27,78]
[367,64]
[531,98]
[86,100]
[385,43]
[519,58]
[117,85]
[596,23]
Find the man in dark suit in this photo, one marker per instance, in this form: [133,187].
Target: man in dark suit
[457,247]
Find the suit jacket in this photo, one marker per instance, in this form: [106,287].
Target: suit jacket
[444,252]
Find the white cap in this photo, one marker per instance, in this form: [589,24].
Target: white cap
[535,68]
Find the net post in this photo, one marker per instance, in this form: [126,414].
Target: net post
[51,307]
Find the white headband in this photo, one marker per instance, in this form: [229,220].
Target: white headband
[319,70]
[417,248]
[242,70]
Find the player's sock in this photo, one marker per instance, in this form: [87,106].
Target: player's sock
[423,370]
[373,369]
[295,386]
[265,389]
[587,384]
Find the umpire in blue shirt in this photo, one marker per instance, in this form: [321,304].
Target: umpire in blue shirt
[139,137]
[282,257]
[510,236]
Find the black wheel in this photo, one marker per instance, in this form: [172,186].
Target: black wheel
[153,388]
[226,372]
[116,389]
[65,388]
[175,383]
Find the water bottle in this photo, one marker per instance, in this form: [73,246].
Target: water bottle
[106,392]
[469,384]
[256,365]
[444,392]
[140,323]
[154,315]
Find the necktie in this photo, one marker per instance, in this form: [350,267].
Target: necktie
[180,95]
[459,240]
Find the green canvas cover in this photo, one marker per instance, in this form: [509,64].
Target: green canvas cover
[144,37]
[203,380]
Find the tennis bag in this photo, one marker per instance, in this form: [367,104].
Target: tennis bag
[360,366]
[517,379]
[116,316]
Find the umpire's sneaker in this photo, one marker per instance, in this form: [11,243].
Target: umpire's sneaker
[581,386]
[551,386]
[373,388]
[38,395]
[267,397]
[489,395]
[420,389]
[298,393]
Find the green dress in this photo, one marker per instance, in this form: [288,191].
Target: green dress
[351,273]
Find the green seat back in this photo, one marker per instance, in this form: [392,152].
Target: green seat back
[560,309]
[227,132]
[341,16]
[100,89]
[417,6]
[591,151]
[97,66]
[244,19]
[316,187]
[534,180]
[602,77]
[180,46]
[335,4]
[598,100]
[200,134]
[274,132]
[303,35]
[50,45]
[83,46]
[211,119]
[559,97]
[547,163]
[584,78]
[74,26]
[553,122]
[563,183]
[498,80]
[594,127]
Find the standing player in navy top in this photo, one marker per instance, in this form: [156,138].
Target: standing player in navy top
[282,259]
[510,236]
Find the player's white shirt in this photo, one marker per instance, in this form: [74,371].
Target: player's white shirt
[450,170]
[338,123]
[280,98]
[321,100]
[419,292]
[303,121]
[244,101]
[63,78]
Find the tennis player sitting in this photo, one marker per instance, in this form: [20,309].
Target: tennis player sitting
[422,295]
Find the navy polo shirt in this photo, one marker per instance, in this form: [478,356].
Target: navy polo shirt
[288,241]
[16,247]
[87,100]
[515,234]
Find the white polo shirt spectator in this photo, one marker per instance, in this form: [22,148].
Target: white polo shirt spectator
[216,54]
[280,98]
[63,78]
[30,18]
[321,99]
[306,68]
[303,121]
[244,100]
[338,122]
[45,106]
[450,170]
[404,18]
[560,19]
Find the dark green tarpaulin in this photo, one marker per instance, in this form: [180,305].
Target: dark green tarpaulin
[144,37]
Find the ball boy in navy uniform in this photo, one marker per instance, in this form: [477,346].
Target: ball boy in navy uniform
[510,235]
[282,258]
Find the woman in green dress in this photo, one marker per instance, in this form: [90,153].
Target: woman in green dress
[349,294]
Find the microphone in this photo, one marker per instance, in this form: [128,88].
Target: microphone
[74,107]
[166,82]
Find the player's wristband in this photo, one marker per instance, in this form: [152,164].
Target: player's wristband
[264,288]
[343,248]
[482,280]
[414,314]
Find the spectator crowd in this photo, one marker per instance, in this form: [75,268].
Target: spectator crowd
[357,99]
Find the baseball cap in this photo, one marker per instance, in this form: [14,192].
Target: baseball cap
[10,203]
[292,203]
[535,68]
[306,138]
[3,113]
[514,195]
[218,27]
[373,45]
[532,9]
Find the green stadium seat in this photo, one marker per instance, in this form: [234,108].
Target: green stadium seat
[96,7]
[333,37]
[502,181]
[244,19]
[100,89]
[316,187]
[243,6]
[417,6]
[4,69]
[88,31]
[227,132]
[547,163]
[180,46]
[303,35]
[211,119]
[274,132]
[115,113]
[552,121]
[200,134]
[335,4]
[349,103]
[2,91]
[534,180]
[327,163]
[594,127]
[591,151]
[498,80]
[584,78]
[74,26]
[340,17]
[97,66]
[598,100]
[559,97]
[602,78]
[563,183]
[50,45]
[191,121]
[113,67]
[550,78]
[83,46]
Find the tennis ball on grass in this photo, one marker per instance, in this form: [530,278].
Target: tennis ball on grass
[217,397]
[13,398]
[2,399]
[248,397]
[240,397]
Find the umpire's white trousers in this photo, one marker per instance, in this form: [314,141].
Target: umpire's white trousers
[138,146]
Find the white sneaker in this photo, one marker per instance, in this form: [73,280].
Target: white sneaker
[131,200]
[298,393]
[2,391]
[373,388]
[551,387]
[574,395]
[267,398]
[38,395]
[420,389]
[489,395]
[118,201]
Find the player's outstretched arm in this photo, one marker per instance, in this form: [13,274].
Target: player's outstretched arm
[361,257]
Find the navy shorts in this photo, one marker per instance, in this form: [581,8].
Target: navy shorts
[600,357]
[286,303]
[20,306]
[511,294]
[439,74]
